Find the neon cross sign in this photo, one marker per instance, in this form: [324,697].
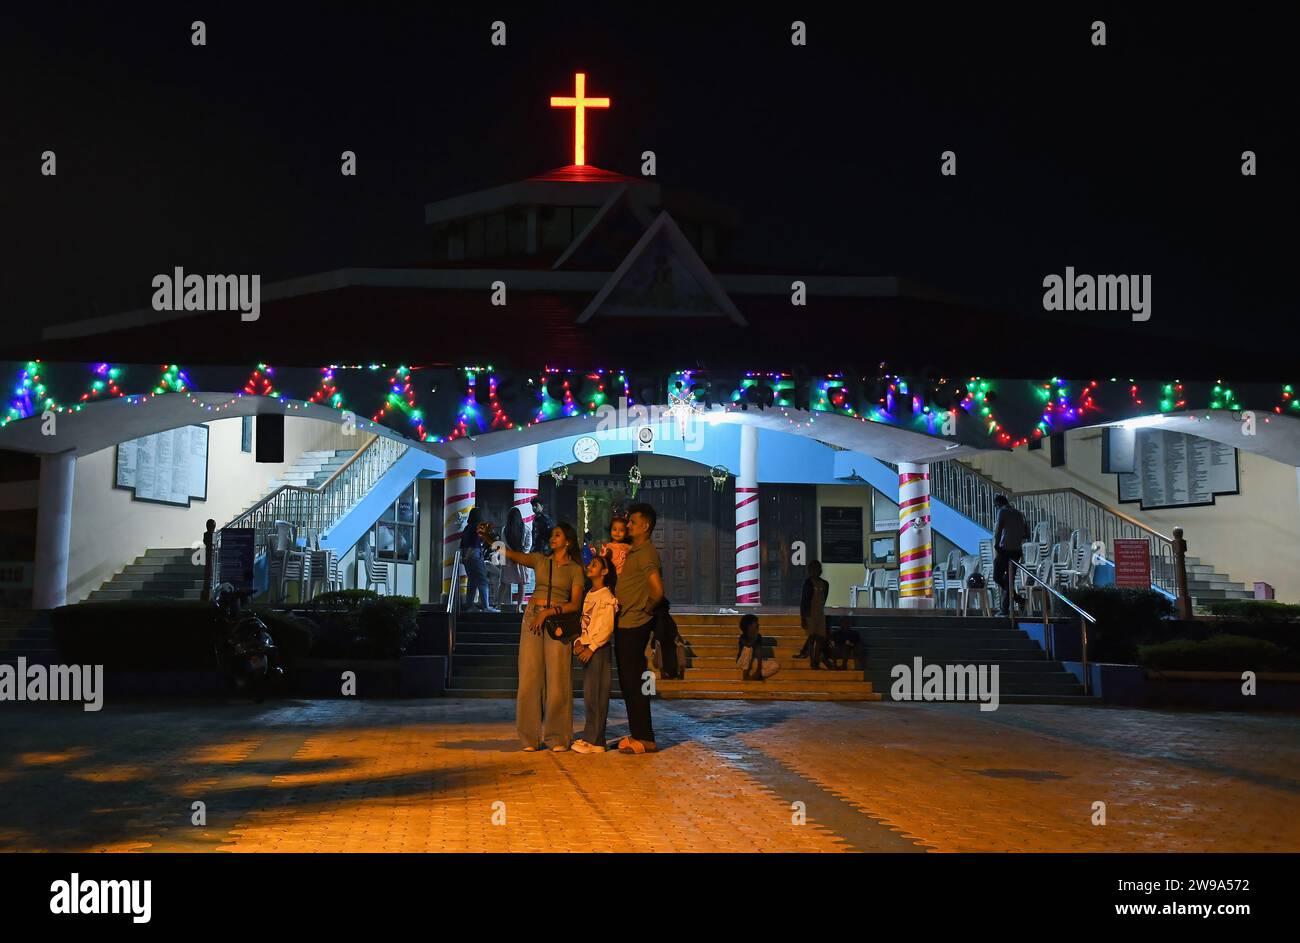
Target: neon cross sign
[579,103]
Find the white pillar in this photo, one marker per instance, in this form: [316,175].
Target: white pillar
[458,498]
[748,585]
[526,489]
[915,547]
[54,530]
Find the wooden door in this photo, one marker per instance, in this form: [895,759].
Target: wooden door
[672,538]
[788,514]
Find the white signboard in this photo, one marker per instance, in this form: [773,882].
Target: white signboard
[1175,469]
[168,467]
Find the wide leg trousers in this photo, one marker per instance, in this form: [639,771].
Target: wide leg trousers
[544,704]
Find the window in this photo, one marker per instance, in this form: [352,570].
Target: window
[474,238]
[397,532]
[884,513]
[246,435]
[496,235]
[557,227]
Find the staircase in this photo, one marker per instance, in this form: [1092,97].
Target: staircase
[485,663]
[169,573]
[486,660]
[26,633]
[162,573]
[971,492]
[1205,584]
[310,470]
[1025,674]
[711,672]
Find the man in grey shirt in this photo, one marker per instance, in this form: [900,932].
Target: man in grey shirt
[639,589]
[1010,531]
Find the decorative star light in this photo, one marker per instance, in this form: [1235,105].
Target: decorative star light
[682,406]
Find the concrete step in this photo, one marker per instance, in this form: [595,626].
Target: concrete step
[179,552]
[162,584]
[116,595]
[158,567]
[764,692]
[778,682]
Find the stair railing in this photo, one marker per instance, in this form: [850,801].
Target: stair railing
[316,509]
[970,493]
[1049,629]
[453,610]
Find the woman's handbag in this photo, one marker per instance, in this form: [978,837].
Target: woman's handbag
[565,627]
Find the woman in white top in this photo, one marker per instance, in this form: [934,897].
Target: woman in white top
[593,649]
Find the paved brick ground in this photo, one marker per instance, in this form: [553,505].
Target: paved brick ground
[425,775]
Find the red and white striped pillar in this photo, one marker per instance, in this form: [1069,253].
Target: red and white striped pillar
[526,490]
[915,547]
[457,500]
[748,588]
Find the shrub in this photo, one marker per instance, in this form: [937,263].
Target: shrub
[293,634]
[360,623]
[138,635]
[1217,653]
[1254,610]
[1125,618]
[160,635]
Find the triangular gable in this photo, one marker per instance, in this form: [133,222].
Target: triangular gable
[663,276]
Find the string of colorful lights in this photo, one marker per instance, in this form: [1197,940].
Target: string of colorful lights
[561,393]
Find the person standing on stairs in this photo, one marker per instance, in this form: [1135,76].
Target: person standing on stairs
[471,556]
[812,615]
[1010,531]
[544,702]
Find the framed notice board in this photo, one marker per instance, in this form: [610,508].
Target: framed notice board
[165,468]
[842,535]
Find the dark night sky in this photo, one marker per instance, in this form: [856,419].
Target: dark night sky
[1122,159]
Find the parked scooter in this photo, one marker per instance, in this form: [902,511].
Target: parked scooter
[246,653]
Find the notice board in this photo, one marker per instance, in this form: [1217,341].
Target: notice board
[1133,562]
[1177,469]
[167,467]
[842,535]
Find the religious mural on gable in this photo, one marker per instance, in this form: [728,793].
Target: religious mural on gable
[659,282]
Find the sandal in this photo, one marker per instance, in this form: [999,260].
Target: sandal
[637,747]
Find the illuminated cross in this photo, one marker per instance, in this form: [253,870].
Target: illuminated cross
[579,103]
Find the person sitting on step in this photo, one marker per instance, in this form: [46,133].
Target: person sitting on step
[749,652]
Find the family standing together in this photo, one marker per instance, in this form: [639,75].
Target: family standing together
[613,601]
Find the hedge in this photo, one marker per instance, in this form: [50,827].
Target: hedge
[160,635]
[1125,619]
[1217,653]
[1254,610]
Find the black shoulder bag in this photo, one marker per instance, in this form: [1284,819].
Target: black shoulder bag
[563,628]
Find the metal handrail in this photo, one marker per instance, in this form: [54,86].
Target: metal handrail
[971,493]
[317,508]
[453,609]
[1049,634]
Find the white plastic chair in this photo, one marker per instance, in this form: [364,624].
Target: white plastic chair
[377,572]
[864,588]
[325,572]
[970,565]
